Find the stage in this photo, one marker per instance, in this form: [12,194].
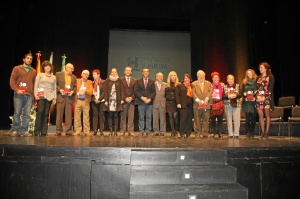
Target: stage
[135,166]
[140,142]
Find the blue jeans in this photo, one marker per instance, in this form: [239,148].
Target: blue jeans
[145,110]
[22,106]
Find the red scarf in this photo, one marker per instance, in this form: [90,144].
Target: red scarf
[96,83]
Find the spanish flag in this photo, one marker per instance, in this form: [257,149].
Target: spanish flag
[38,63]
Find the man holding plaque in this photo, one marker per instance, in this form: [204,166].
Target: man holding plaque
[22,83]
[66,88]
[82,103]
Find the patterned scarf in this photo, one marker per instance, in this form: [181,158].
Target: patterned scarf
[96,83]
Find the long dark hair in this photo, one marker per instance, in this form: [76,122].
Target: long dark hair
[188,76]
[267,67]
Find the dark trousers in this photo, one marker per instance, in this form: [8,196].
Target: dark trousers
[113,119]
[98,116]
[186,123]
[217,127]
[41,126]
[250,122]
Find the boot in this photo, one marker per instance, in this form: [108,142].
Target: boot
[262,135]
[111,131]
[115,131]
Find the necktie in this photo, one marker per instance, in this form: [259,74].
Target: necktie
[201,87]
[146,82]
[159,85]
[128,81]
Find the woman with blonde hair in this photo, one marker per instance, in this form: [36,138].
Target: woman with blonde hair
[248,102]
[171,107]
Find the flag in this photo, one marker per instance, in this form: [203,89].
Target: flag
[51,58]
[38,63]
[63,63]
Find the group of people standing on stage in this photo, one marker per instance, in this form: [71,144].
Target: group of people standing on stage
[189,105]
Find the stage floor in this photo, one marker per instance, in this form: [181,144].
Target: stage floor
[148,141]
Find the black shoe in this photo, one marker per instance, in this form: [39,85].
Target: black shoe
[95,132]
[36,133]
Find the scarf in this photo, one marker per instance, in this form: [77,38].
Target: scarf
[220,88]
[112,78]
[189,91]
[96,83]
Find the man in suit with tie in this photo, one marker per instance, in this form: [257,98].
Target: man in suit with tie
[144,91]
[66,88]
[127,115]
[202,92]
[159,106]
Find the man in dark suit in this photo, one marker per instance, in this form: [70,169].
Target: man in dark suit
[66,88]
[144,91]
[127,115]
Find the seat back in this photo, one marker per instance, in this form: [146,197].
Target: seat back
[296,111]
[286,101]
[277,112]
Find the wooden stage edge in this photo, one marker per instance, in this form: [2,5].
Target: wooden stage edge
[150,141]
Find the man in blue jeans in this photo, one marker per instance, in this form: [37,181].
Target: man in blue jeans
[22,83]
[144,91]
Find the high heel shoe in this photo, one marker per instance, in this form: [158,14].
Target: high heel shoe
[266,135]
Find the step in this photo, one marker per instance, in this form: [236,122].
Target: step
[204,174]
[174,191]
[182,157]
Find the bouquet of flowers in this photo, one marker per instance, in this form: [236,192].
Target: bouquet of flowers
[31,122]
